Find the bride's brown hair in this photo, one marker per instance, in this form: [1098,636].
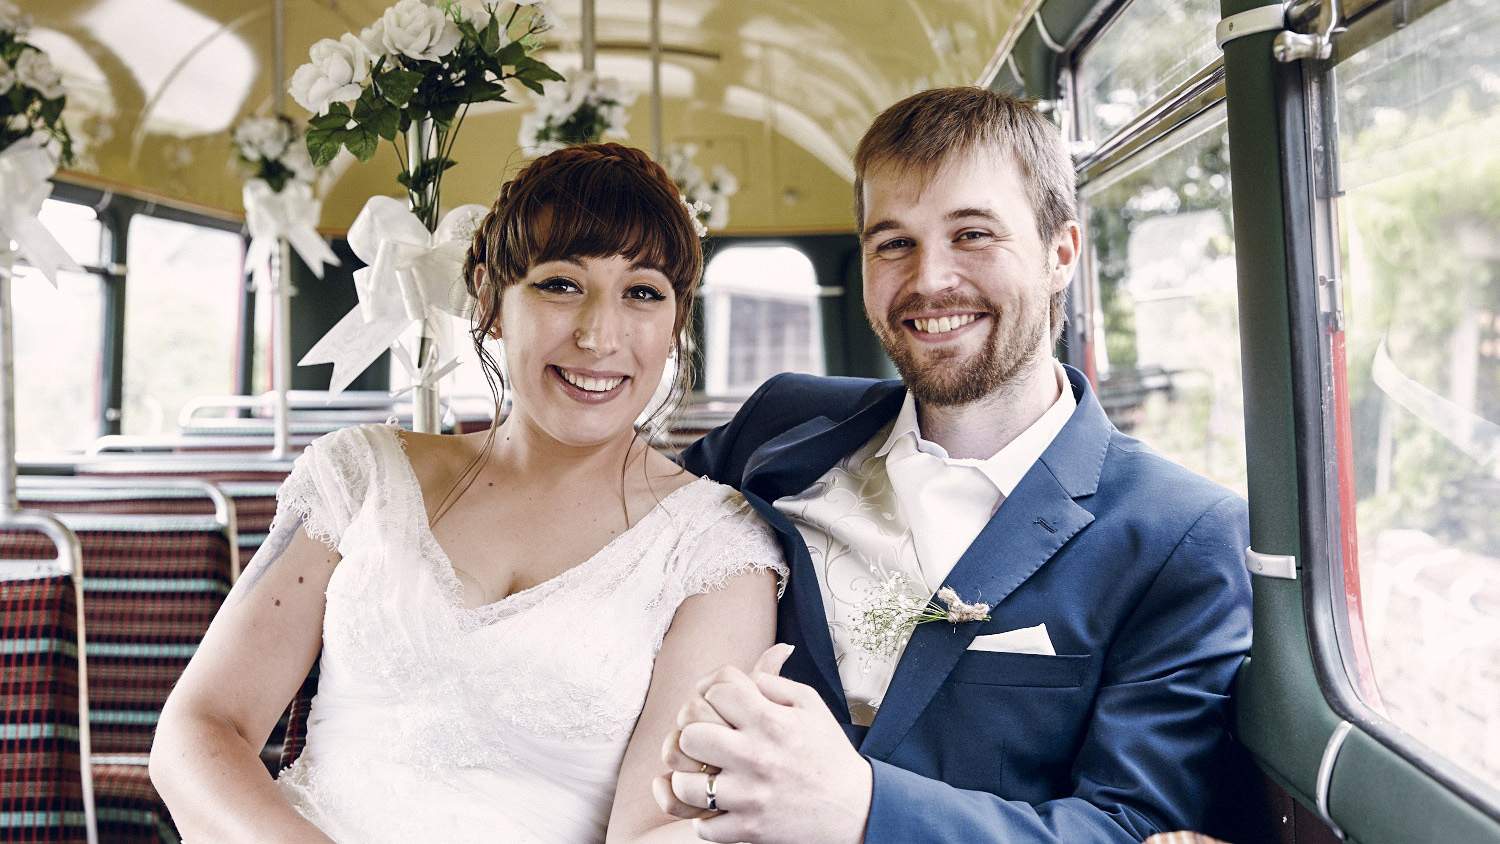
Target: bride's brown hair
[586,201]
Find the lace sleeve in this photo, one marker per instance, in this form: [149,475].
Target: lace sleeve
[734,542]
[326,486]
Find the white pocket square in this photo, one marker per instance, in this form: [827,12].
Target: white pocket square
[1027,640]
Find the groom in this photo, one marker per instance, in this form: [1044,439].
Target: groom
[1089,703]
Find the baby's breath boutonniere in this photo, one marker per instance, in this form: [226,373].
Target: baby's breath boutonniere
[891,610]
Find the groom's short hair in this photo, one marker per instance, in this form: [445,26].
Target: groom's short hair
[923,132]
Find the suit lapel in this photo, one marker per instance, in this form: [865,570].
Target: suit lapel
[786,465]
[1039,517]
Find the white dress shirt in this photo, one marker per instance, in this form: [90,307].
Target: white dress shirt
[900,504]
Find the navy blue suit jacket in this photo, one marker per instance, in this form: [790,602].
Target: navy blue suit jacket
[1134,564]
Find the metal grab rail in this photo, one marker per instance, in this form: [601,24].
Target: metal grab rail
[69,561]
[43,487]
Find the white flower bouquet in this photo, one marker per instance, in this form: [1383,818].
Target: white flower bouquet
[33,144]
[581,109]
[32,94]
[273,150]
[707,197]
[420,65]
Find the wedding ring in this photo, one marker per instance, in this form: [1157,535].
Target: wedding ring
[708,790]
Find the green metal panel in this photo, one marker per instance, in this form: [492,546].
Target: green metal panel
[1378,797]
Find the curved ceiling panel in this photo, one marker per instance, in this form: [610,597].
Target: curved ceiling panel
[778,91]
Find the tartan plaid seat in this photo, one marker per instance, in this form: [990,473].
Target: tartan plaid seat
[151,584]
[253,505]
[130,810]
[43,795]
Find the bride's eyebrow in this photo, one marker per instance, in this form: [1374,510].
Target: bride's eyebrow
[647,265]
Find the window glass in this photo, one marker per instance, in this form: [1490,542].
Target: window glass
[760,311]
[1419,230]
[1164,324]
[1151,48]
[182,304]
[58,335]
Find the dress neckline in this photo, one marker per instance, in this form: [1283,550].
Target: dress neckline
[523,599]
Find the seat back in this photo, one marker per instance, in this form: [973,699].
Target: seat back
[295,736]
[152,584]
[46,782]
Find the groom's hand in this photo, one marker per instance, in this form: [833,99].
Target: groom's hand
[782,770]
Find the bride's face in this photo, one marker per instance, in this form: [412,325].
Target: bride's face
[586,340]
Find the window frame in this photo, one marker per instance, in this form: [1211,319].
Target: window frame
[1340,654]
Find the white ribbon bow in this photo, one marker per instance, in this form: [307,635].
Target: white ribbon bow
[291,214]
[25,167]
[412,276]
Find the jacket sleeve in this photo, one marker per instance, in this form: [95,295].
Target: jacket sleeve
[1152,752]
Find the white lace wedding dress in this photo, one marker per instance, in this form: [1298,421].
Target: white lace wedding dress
[503,723]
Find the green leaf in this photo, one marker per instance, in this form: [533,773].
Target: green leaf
[51,110]
[511,54]
[362,141]
[378,115]
[489,40]
[444,112]
[494,94]
[397,85]
[429,171]
[323,144]
[337,117]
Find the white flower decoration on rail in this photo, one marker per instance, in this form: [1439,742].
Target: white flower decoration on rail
[33,142]
[411,276]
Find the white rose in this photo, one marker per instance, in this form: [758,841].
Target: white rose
[18,123]
[413,28]
[373,37]
[545,18]
[35,70]
[262,137]
[476,12]
[336,74]
[7,78]
[724,183]
[299,161]
[12,20]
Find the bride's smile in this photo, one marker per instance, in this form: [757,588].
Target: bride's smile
[586,340]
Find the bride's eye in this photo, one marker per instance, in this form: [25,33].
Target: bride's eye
[644,293]
[556,285]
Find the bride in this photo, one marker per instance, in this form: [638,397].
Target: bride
[508,620]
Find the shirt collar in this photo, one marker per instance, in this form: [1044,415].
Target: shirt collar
[1006,467]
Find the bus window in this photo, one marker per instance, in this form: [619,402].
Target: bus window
[760,317]
[1149,49]
[58,334]
[184,287]
[1158,297]
[1418,227]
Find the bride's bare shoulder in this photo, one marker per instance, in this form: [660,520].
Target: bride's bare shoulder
[438,459]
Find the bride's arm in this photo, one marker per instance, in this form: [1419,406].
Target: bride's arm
[205,761]
[727,626]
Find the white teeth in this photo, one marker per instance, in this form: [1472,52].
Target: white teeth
[592,385]
[942,325]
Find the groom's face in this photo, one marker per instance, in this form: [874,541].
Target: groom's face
[957,281]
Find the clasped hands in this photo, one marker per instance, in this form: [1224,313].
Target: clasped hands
[778,766]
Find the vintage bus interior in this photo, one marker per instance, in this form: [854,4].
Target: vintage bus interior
[1291,284]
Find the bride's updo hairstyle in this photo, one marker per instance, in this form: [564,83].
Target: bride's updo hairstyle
[586,201]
